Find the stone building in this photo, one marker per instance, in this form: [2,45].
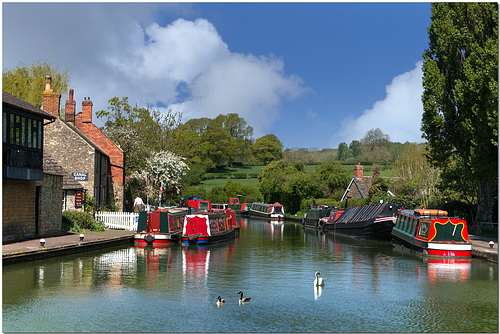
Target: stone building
[84,151]
[29,195]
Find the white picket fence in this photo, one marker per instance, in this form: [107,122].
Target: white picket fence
[119,220]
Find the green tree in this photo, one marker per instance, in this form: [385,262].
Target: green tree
[138,131]
[268,148]
[343,152]
[333,177]
[355,148]
[460,98]
[27,82]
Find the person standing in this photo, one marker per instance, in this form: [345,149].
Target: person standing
[138,204]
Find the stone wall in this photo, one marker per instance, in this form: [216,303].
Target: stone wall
[51,197]
[18,209]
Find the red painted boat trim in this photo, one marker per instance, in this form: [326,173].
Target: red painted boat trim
[448,253]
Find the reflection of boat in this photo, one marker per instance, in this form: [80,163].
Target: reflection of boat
[159,228]
[432,233]
[316,217]
[373,221]
[448,269]
[270,211]
[209,227]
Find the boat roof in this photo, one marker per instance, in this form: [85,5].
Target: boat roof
[366,212]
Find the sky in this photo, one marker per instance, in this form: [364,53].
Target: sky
[313,74]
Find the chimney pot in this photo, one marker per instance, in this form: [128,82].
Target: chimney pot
[71,92]
[48,80]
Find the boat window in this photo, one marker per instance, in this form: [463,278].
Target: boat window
[415,225]
[423,230]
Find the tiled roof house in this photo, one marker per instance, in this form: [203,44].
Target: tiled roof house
[83,151]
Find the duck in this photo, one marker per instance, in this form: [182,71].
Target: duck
[243,299]
[318,281]
[220,301]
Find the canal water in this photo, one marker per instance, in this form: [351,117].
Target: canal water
[369,287]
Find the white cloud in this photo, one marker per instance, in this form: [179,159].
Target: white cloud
[120,50]
[250,86]
[399,115]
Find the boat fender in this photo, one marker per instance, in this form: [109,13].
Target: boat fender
[321,223]
[149,238]
[194,236]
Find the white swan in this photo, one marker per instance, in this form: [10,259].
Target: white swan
[243,299]
[318,281]
[220,301]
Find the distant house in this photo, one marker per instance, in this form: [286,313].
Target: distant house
[31,196]
[359,186]
[91,158]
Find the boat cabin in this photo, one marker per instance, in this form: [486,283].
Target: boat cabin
[200,204]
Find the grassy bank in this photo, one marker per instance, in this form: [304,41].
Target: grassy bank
[247,175]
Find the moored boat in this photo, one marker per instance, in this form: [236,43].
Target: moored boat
[373,221]
[316,217]
[159,228]
[432,233]
[269,211]
[209,227]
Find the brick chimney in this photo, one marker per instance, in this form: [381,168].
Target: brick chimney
[70,108]
[358,171]
[87,110]
[51,99]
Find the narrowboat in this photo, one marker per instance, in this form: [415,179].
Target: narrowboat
[209,227]
[270,211]
[159,228]
[373,221]
[432,233]
[239,208]
[316,217]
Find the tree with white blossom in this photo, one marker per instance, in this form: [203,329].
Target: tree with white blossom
[165,168]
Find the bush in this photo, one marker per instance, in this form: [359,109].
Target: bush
[77,221]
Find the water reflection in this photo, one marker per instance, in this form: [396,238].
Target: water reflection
[369,287]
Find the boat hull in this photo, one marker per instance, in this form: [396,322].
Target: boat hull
[157,240]
[431,249]
[204,239]
[369,229]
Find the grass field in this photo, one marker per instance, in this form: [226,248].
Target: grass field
[219,182]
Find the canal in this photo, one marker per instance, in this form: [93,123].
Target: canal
[369,287]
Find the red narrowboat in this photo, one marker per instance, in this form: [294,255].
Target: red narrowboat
[159,228]
[432,233]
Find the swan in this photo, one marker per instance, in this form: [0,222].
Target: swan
[220,301]
[243,299]
[319,280]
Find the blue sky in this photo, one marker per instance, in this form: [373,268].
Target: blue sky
[314,74]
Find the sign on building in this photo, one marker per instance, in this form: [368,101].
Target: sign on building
[78,199]
[79,176]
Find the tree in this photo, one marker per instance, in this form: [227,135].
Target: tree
[267,148]
[333,177]
[343,152]
[460,98]
[355,148]
[27,82]
[417,178]
[162,169]
[138,131]
[375,144]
